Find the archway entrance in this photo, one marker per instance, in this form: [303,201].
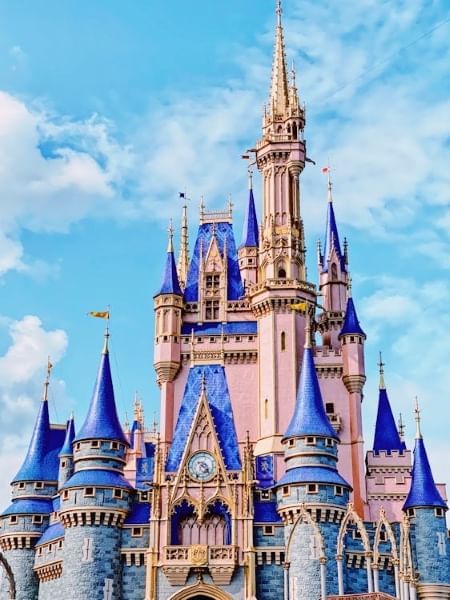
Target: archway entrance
[201,591]
[7,582]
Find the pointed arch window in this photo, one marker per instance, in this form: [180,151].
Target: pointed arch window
[334,272]
[283,341]
[266,408]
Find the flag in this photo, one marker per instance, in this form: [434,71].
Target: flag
[325,170]
[99,314]
[299,306]
[49,365]
[182,194]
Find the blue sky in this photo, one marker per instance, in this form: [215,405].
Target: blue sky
[108,109]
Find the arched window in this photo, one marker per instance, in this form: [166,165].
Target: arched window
[283,341]
[294,131]
[282,273]
[266,409]
[214,530]
[334,272]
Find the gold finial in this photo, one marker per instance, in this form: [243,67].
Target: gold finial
[349,286]
[47,379]
[230,206]
[279,12]
[417,416]
[250,179]
[203,384]
[381,365]
[293,74]
[183,257]
[401,428]
[106,335]
[170,232]
[308,342]
[202,208]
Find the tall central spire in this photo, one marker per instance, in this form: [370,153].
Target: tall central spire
[279,95]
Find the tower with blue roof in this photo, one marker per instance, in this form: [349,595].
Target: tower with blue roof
[33,488]
[426,510]
[96,499]
[312,496]
[248,250]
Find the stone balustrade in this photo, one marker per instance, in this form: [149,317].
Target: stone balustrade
[220,561]
[372,596]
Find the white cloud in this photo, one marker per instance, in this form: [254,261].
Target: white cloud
[22,370]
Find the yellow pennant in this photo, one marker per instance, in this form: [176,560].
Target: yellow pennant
[99,314]
[299,306]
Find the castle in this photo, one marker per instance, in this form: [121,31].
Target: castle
[257,485]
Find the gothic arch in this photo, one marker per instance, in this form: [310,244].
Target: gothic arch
[383,522]
[406,562]
[201,589]
[305,517]
[351,516]
[9,576]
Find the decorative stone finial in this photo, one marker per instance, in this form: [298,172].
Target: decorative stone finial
[417,417]
[381,365]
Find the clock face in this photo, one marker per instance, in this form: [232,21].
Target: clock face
[202,466]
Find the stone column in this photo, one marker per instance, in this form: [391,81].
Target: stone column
[376,577]
[397,581]
[323,578]
[369,573]
[340,569]
[286,580]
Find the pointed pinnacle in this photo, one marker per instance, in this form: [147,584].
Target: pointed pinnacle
[417,417]
[170,232]
[381,365]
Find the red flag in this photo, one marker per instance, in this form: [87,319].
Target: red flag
[325,170]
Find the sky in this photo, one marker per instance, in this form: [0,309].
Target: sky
[108,109]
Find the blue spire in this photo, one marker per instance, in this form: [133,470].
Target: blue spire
[102,421]
[170,283]
[351,324]
[423,492]
[331,235]
[387,437]
[67,449]
[250,238]
[309,417]
[33,468]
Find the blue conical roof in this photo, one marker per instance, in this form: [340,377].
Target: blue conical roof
[41,461]
[351,324]
[170,283]
[67,449]
[332,240]
[386,437]
[309,415]
[423,491]
[250,233]
[102,421]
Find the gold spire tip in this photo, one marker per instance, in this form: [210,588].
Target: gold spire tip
[417,417]
[106,342]
[47,379]
[170,232]
[308,342]
[381,365]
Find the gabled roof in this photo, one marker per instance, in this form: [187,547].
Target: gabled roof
[102,421]
[387,437]
[250,236]
[309,418]
[67,449]
[225,240]
[331,241]
[170,283]
[53,532]
[41,462]
[423,491]
[351,324]
[220,406]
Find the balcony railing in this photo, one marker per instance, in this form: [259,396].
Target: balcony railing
[372,596]
[220,561]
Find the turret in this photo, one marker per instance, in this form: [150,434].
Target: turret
[333,276]
[352,339]
[387,438]
[23,522]
[248,251]
[96,499]
[66,454]
[168,307]
[311,487]
[426,510]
